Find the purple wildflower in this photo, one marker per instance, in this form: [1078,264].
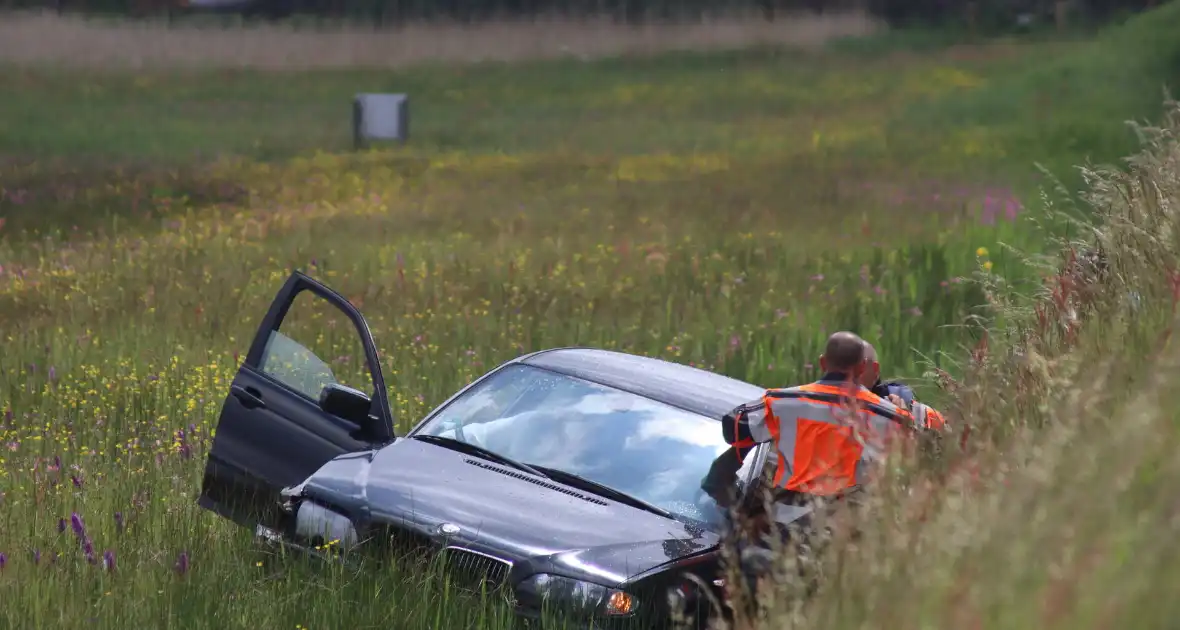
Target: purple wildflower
[61,525]
[52,373]
[119,524]
[77,481]
[989,210]
[80,531]
[1012,207]
[108,560]
[3,560]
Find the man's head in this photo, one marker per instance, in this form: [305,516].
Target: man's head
[844,353]
[872,366]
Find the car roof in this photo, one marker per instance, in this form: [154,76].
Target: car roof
[690,388]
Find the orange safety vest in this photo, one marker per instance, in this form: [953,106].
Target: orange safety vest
[826,434]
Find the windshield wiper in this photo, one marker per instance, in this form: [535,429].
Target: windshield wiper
[583,483]
[478,451]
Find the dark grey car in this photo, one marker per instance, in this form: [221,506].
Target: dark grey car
[570,476]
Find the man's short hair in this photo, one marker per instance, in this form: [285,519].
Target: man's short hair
[844,351]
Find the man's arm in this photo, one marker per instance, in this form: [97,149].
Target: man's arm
[746,426]
[925,416]
[721,480]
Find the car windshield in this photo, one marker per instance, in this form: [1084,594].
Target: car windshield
[649,450]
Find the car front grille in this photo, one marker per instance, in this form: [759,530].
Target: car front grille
[474,571]
[465,569]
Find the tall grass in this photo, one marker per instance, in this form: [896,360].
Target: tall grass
[1052,511]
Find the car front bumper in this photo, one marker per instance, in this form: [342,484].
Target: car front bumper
[525,618]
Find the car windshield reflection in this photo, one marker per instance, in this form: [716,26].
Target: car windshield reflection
[647,449]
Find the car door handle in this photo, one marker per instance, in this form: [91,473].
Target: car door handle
[250,397]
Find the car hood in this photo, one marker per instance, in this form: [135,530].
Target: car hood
[539,525]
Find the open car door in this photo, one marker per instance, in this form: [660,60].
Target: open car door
[291,409]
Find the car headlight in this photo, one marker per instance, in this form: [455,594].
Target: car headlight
[576,596]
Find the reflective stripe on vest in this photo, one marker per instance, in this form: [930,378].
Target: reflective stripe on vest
[927,417]
[824,444]
[918,411]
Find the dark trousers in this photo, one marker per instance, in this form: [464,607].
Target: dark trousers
[757,555]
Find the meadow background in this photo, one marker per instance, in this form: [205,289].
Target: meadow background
[726,209]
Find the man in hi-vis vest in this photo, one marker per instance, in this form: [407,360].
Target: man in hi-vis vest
[828,434]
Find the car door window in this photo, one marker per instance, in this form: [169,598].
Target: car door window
[316,346]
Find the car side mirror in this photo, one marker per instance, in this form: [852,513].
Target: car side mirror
[345,402]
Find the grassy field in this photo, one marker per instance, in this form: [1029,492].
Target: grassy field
[726,210]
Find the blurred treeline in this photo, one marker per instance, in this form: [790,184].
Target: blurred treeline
[1004,13]
[987,14]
